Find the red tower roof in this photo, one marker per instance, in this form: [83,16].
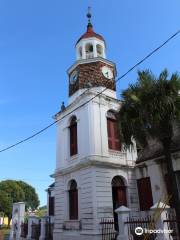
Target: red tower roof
[90,33]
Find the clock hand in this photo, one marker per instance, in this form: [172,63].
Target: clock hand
[107,74]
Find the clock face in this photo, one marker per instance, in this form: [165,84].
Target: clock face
[107,72]
[73,77]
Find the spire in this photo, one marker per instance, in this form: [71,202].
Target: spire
[89,15]
[90,32]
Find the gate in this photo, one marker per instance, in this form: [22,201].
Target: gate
[24,230]
[108,229]
[36,230]
[145,223]
[172,225]
[49,227]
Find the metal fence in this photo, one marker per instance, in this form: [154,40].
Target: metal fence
[49,227]
[24,230]
[145,223]
[172,224]
[36,230]
[108,230]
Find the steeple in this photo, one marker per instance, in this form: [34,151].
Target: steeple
[89,17]
[92,69]
[90,44]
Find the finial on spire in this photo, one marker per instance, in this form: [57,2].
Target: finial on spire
[89,15]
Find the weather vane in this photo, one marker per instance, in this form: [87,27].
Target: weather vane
[89,14]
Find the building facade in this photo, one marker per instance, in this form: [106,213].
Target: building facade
[93,175]
[151,172]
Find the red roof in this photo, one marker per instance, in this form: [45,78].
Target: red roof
[90,33]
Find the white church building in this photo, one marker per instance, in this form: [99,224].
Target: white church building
[93,175]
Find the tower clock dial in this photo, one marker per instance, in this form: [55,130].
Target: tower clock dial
[73,77]
[107,72]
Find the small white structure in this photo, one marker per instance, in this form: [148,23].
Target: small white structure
[17,218]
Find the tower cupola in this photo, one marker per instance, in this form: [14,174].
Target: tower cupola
[91,68]
[90,44]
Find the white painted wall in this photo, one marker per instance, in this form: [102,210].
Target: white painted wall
[93,167]
[92,132]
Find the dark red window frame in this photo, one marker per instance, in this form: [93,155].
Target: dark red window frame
[73,201]
[73,137]
[145,193]
[114,142]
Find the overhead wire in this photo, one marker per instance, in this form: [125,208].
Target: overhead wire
[98,94]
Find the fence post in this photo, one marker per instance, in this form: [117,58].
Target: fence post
[17,219]
[159,211]
[31,219]
[123,214]
[44,221]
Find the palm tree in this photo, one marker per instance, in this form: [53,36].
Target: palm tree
[151,110]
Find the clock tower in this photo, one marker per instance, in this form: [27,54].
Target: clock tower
[94,175]
[91,68]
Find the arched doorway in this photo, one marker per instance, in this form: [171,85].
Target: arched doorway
[118,196]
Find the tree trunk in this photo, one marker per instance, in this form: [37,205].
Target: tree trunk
[9,221]
[172,178]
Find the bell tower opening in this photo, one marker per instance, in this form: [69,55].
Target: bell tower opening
[89,50]
[99,50]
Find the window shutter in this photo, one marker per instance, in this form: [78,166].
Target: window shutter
[117,143]
[51,206]
[73,204]
[73,139]
[110,140]
[145,193]
[113,135]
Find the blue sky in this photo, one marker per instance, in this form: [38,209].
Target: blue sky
[37,41]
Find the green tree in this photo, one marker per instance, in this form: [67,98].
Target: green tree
[31,198]
[16,191]
[42,211]
[5,203]
[10,192]
[151,110]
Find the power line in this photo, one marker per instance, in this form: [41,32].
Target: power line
[122,76]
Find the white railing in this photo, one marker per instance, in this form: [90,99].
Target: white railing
[89,55]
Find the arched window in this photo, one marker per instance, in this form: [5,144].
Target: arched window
[73,201]
[117,182]
[99,50]
[113,132]
[89,50]
[73,136]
